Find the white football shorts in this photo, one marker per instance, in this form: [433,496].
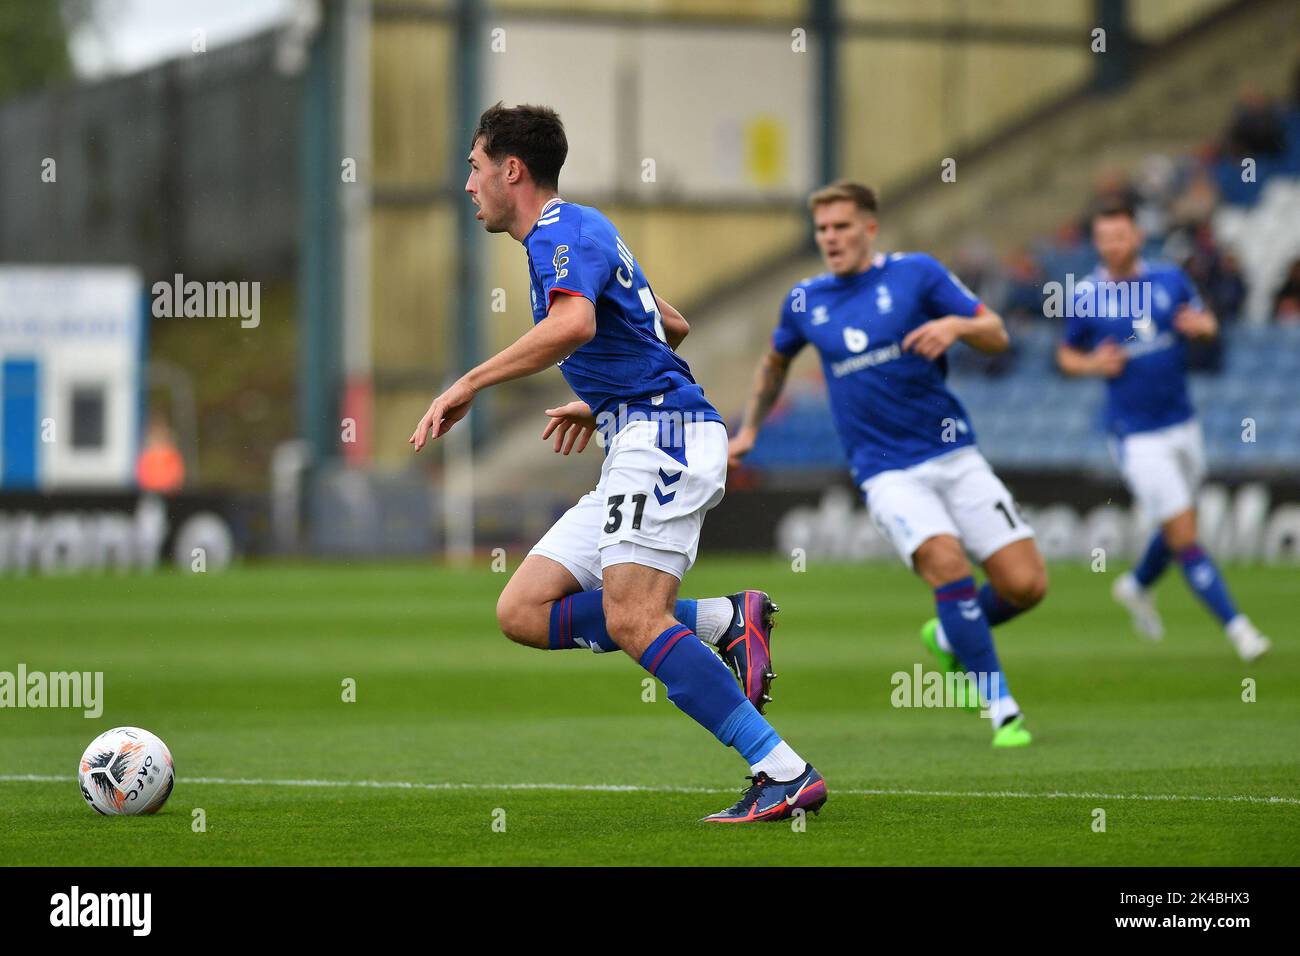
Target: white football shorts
[956,494]
[1162,468]
[649,505]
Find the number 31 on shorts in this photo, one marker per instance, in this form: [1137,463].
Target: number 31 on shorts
[616,514]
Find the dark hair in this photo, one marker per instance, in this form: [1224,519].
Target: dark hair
[864,197]
[533,134]
[1109,208]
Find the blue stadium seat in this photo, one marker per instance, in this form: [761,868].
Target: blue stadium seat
[1035,418]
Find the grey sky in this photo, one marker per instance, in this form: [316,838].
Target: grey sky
[129,35]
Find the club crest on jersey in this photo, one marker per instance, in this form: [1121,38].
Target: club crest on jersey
[819,315]
[884,302]
[561,262]
[855,340]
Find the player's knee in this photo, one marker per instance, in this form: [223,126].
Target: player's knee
[514,619]
[621,621]
[940,560]
[1180,533]
[1025,588]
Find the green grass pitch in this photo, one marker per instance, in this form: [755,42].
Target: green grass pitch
[241,674]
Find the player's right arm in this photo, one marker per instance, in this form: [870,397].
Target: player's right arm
[769,377]
[1107,359]
[769,380]
[1079,352]
[570,324]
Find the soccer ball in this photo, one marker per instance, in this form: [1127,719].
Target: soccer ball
[126,770]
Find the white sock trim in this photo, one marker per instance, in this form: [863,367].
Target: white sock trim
[712,618]
[781,764]
[941,638]
[1001,709]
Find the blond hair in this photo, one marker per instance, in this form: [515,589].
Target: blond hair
[864,197]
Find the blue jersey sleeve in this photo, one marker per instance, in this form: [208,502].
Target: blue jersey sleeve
[1077,333]
[1078,330]
[787,337]
[942,293]
[567,262]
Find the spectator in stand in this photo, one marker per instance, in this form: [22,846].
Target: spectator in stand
[1156,183]
[1255,129]
[1226,288]
[1023,300]
[1198,200]
[1254,133]
[160,467]
[1291,127]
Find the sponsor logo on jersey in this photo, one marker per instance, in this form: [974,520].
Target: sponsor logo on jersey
[1148,341]
[855,340]
[867,360]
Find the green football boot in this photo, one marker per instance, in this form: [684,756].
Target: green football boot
[966,696]
[1013,734]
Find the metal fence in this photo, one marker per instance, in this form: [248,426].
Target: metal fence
[191,166]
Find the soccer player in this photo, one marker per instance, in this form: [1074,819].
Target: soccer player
[606,575]
[881,324]
[1130,324]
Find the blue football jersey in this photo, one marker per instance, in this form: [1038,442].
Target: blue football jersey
[628,366]
[891,408]
[1151,392]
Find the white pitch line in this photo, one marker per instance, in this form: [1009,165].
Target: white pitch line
[635,788]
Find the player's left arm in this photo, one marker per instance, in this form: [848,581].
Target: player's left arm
[984,331]
[1196,323]
[569,324]
[675,326]
[1193,319]
[956,314]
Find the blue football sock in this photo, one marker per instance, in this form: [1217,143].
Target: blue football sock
[685,612]
[1204,578]
[996,608]
[1153,562]
[578,620]
[968,632]
[703,689]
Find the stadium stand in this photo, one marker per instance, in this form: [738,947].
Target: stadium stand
[1249,376]
[1261,368]
[1018,221]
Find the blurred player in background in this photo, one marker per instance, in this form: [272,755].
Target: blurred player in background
[1130,324]
[606,575]
[881,324]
